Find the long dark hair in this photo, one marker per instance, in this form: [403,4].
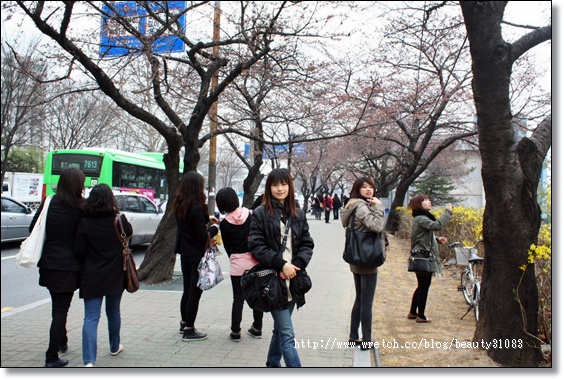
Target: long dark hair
[70,187]
[277,176]
[100,202]
[190,194]
[355,191]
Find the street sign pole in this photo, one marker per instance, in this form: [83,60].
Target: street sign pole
[213,115]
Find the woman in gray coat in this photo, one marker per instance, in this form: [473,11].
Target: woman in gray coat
[369,216]
[423,238]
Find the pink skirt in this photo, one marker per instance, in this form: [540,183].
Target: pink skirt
[240,262]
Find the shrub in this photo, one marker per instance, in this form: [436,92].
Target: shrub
[541,256]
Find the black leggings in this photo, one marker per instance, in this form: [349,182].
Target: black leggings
[361,314]
[237,309]
[58,333]
[191,296]
[419,299]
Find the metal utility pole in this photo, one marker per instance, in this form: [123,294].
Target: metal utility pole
[213,116]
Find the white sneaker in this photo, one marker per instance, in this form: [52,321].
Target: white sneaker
[89,365]
[120,349]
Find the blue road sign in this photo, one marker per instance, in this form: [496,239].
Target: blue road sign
[117,40]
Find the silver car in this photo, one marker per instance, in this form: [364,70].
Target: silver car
[16,218]
[143,215]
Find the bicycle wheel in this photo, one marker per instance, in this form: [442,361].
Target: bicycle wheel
[467,286]
[477,301]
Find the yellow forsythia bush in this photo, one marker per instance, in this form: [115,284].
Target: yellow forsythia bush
[541,255]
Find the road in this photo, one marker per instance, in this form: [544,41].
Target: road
[20,286]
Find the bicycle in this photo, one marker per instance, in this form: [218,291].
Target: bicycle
[471,277]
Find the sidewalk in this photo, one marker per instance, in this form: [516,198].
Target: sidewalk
[150,322]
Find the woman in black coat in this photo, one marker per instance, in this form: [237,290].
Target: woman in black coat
[59,269]
[192,219]
[100,249]
[269,223]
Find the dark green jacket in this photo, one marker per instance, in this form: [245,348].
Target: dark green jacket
[423,236]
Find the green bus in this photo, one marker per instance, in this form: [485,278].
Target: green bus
[142,173]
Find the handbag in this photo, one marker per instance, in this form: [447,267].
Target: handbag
[363,249]
[130,269]
[209,271]
[263,289]
[419,261]
[32,247]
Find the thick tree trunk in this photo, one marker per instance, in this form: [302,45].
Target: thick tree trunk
[252,183]
[158,265]
[392,224]
[509,298]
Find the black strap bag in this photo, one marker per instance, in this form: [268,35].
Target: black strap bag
[263,289]
[419,261]
[364,249]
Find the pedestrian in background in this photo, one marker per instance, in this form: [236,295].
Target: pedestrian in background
[268,223]
[328,205]
[318,206]
[194,230]
[369,217]
[235,233]
[336,206]
[59,268]
[423,238]
[100,249]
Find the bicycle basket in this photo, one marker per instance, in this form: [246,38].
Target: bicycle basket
[463,254]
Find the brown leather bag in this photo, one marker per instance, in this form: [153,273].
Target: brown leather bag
[129,267]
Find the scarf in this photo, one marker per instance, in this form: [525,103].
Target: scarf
[426,213]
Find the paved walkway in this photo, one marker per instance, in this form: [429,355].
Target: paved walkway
[150,319]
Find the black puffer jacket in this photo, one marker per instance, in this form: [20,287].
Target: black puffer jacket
[265,240]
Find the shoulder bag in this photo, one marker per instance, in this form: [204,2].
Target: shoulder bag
[419,261]
[32,247]
[129,267]
[209,271]
[262,286]
[363,249]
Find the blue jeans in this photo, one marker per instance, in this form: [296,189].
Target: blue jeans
[361,314]
[92,307]
[282,343]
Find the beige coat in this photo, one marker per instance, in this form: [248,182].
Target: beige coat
[366,219]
